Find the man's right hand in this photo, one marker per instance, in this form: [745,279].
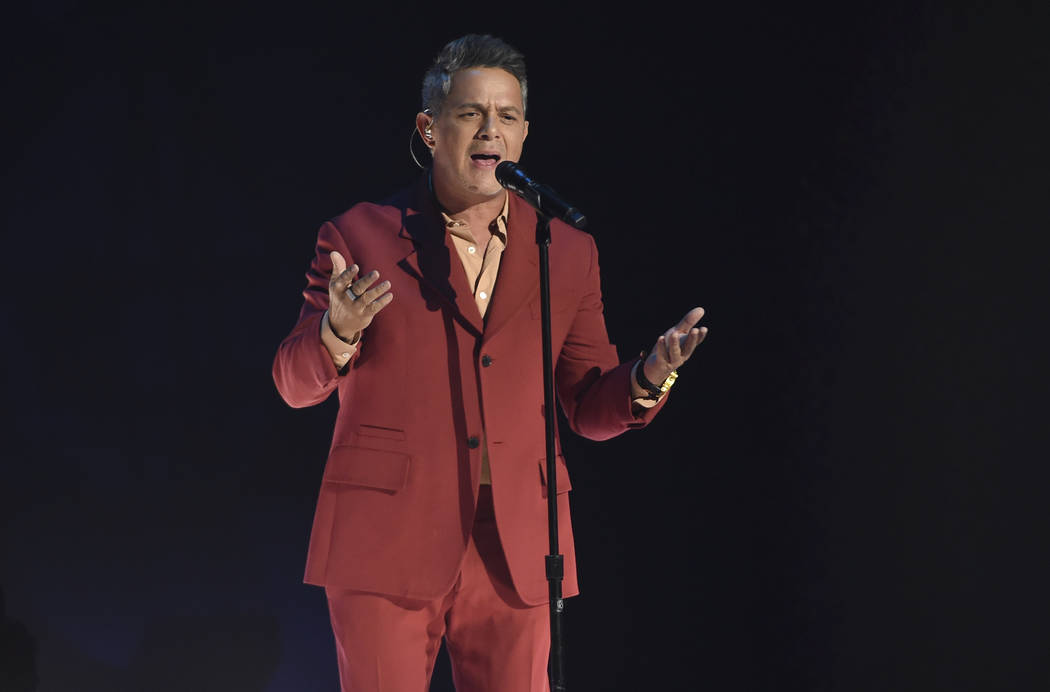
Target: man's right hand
[353,301]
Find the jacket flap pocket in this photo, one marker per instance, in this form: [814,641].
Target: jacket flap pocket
[562,478]
[368,468]
[365,430]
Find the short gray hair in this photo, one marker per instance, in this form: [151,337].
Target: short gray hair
[472,50]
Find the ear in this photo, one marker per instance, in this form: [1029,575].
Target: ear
[525,134]
[424,121]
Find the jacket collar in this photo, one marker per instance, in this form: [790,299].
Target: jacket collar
[433,260]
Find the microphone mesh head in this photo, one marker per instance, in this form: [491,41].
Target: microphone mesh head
[507,172]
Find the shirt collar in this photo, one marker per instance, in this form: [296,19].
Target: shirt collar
[461,229]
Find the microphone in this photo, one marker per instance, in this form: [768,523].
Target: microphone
[511,176]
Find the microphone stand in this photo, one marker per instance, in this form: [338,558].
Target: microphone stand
[554,561]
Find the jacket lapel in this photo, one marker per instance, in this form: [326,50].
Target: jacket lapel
[433,260]
[518,278]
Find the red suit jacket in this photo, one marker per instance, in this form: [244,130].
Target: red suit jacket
[431,383]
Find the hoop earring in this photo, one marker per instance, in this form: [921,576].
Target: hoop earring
[412,149]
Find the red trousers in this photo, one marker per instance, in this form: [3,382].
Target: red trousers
[496,643]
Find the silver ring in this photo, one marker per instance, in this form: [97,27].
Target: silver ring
[350,290]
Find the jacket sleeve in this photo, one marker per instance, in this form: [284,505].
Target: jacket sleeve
[594,388]
[303,369]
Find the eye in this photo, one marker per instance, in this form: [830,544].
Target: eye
[468,114]
[508,118]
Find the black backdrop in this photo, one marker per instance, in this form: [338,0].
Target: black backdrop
[845,491]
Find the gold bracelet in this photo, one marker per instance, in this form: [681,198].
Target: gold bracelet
[655,391]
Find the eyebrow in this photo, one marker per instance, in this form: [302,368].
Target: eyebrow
[481,107]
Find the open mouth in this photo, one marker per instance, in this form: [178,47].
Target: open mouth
[485,159]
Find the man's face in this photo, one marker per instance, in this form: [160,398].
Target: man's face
[481,124]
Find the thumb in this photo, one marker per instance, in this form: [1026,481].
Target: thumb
[690,320]
[338,263]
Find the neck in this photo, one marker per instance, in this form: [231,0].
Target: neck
[478,211]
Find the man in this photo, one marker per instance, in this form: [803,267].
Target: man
[423,313]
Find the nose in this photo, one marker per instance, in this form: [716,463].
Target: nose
[488,129]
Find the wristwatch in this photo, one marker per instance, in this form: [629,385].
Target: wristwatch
[655,391]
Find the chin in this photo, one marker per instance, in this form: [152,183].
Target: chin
[486,189]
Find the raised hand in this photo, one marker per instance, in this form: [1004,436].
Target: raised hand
[352,300]
[674,347]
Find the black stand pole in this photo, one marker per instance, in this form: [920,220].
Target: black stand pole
[554,561]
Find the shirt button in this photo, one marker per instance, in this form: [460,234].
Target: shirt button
[483,295]
[472,249]
[473,442]
[486,360]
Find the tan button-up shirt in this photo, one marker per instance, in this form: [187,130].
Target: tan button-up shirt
[481,264]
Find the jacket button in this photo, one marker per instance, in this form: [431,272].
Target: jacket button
[486,360]
[473,442]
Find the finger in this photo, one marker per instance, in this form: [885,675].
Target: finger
[343,280]
[381,302]
[674,349]
[691,341]
[361,285]
[662,349]
[690,320]
[338,263]
[374,293]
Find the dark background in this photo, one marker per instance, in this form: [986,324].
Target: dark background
[846,490]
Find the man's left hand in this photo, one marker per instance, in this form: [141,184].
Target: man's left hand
[674,347]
